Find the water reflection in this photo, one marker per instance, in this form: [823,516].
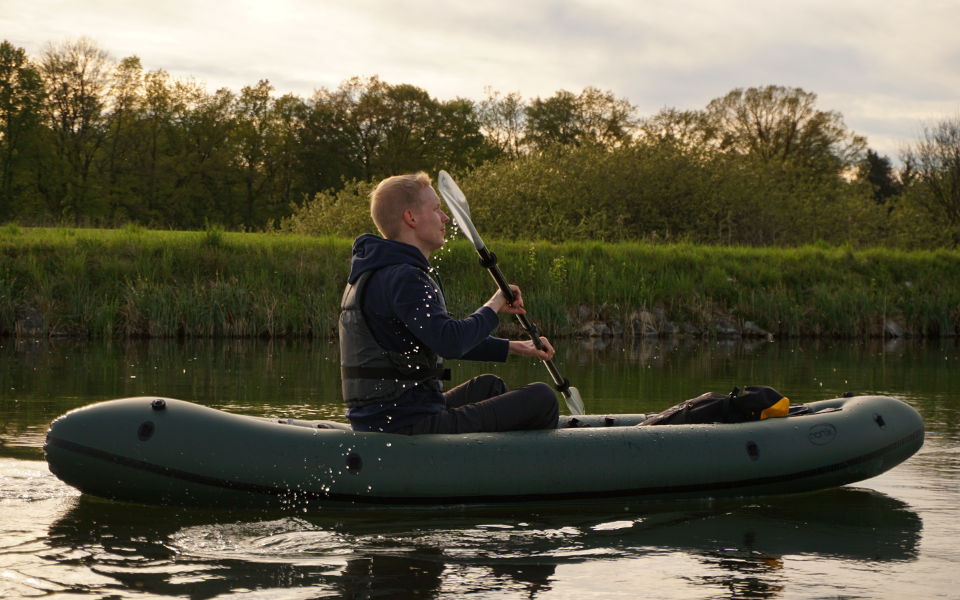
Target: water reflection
[737,545]
[55,543]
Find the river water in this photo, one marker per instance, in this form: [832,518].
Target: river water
[893,536]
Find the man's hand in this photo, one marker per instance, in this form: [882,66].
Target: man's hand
[527,348]
[498,302]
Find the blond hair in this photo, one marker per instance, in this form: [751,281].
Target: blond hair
[394,195]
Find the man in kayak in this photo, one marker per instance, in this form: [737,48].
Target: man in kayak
[395,331]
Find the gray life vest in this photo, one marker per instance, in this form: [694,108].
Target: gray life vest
[368,372]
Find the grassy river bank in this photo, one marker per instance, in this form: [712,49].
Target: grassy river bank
[134,282]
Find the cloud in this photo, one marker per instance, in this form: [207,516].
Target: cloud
[883,66]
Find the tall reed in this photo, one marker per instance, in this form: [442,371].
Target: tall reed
[135,282]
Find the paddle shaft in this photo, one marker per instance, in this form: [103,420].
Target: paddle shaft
[489,261]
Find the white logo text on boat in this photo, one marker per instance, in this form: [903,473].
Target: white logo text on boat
[823,434]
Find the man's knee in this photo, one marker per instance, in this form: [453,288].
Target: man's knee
[543,396]
[493,385]
[542,392]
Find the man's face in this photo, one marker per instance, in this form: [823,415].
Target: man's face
[430,220]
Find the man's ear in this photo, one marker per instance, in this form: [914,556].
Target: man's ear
[408,218]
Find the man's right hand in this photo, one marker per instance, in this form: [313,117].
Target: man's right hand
[498,302]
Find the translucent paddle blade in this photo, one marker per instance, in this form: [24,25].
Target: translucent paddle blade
[459,209]
[574,401]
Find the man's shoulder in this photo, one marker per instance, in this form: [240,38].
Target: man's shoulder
[399,272]
[397,281]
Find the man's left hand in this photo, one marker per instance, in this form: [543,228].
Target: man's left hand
[527,348]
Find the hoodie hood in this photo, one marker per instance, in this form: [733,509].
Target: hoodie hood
[371,252]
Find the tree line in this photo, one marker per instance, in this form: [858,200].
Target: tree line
[87,140]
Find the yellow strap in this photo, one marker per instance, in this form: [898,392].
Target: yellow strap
[780,409]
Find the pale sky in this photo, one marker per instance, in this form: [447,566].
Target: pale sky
[889,68]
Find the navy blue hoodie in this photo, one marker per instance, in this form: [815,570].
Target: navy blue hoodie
[404,309]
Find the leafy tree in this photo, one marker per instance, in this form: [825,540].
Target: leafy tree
[405,119]
[687,130]
[21,100]
[75,76]
[254,134]
[458,142]
[554,121]
[368,129]
[290,186]
[124,141]
[207,179]
[780,124]
[934,165]
[592,117]
[502,122]
[878,172]
[605,119]
[327,142]
[160,162]
[266,133]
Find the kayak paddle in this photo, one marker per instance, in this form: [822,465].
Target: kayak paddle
[457,203]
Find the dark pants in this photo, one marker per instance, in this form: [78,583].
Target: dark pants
[484,404]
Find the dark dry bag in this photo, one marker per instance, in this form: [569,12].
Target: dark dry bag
[754,403]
